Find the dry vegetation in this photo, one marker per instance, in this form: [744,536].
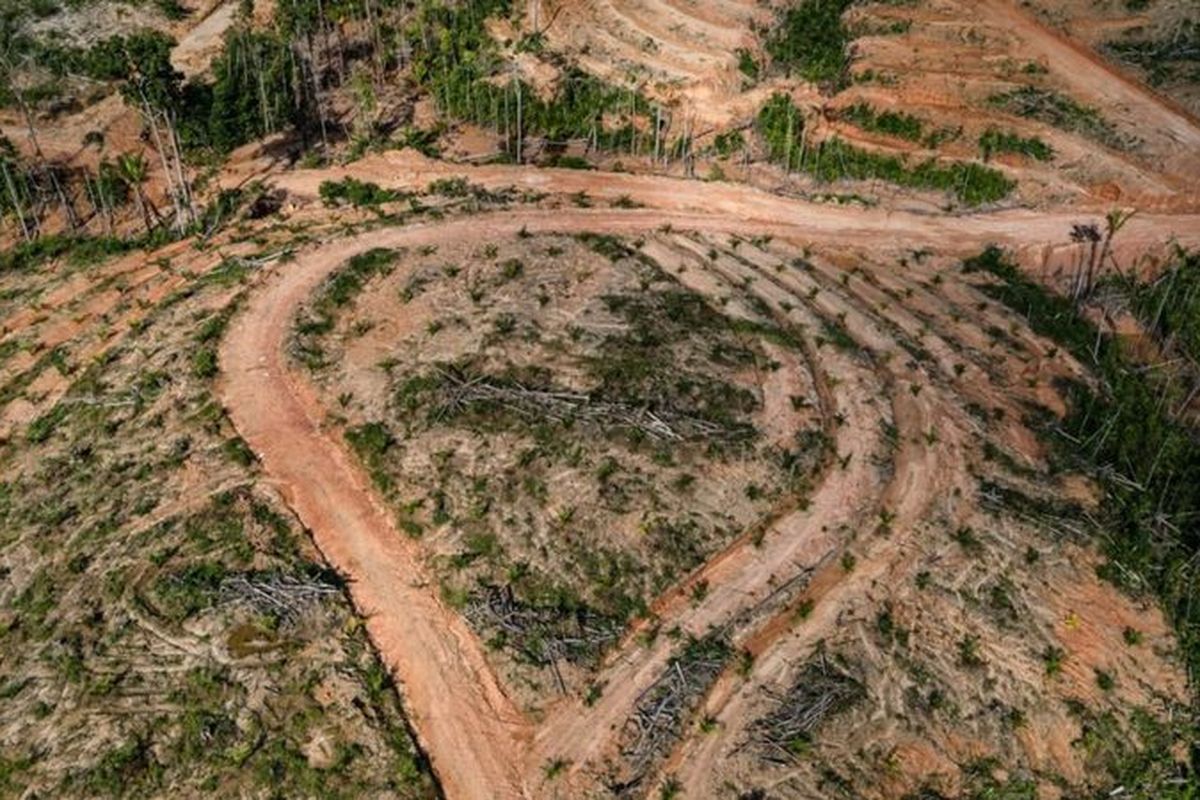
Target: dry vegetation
[951,604]
[841,505]
[567,428]
[168,628]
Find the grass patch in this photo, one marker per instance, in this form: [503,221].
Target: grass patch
[809,41]
[360,194]
[1147,460]
[890,123]
[996,141]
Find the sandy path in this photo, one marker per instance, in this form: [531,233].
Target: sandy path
[738,208]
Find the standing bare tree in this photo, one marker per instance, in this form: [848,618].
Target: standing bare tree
[152,85]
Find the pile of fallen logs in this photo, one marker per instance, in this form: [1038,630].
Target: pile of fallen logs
[663,707]
[286,597]
[460,393]
[820,690]
[543,635]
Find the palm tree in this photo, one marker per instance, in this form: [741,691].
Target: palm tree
[133,171]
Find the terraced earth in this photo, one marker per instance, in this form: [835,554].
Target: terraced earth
[438,457]
[921,484]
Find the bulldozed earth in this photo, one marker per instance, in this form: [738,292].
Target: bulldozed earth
[753,442]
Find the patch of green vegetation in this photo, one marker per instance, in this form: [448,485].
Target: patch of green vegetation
[1174,57]
[986,780]
[78,251]
[360,194]
[204,357]
[1169,306]
[41,428]
[456,60]
[1139,756]
[338,290]
[371,441]
[1147,460]
[1061,112]
[342,286]
[728,143]
[781,126]
[996,141]
[892,123]
[747,63]
[837,335]
[810,41]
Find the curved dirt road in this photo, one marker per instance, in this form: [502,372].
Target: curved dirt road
[480,745]
[737,208]
[462,716]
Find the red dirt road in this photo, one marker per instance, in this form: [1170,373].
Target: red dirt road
[479,743]
[461,714]
[737,208]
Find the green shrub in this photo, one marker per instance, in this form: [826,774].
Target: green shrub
[892,123]
[371,439]
[342,286]
[995,141]
[41,428]
[204,363]
[810,41]
[78,250]
[747,64]
[357,193]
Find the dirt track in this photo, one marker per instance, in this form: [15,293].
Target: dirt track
[1038,235]
[479,743]
[1097,81]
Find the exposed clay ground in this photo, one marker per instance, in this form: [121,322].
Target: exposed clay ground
[943,65]
[929,472]
[928,569]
